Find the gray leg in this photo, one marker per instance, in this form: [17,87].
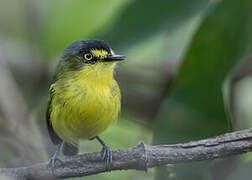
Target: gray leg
[54,157]
[106,152]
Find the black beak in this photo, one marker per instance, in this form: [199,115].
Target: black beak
[114,57]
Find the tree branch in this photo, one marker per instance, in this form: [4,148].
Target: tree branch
[140,157]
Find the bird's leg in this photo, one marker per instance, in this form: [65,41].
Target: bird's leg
[106,152]
[54,157]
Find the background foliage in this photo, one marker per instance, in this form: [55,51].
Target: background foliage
[186,76]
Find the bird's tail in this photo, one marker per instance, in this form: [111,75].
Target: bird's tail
[69,149]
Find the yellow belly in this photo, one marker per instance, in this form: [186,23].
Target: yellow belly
[84,111]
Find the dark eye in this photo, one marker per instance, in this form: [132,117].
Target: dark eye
[88,56]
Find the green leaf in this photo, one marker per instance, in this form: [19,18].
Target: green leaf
[195,108]
[68,21]
[143,18]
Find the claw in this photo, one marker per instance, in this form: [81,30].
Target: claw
[107,155]
[54,158]
[106,152]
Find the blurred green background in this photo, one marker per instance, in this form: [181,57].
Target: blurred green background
[187,76]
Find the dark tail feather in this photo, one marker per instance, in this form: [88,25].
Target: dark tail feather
[69,149]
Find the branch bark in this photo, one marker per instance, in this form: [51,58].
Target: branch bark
[140,157]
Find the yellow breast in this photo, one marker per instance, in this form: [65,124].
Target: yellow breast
[85,103]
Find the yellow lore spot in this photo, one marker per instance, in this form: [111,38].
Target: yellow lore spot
[100,54]
[112,52]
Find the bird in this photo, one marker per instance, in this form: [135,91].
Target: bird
[84,98]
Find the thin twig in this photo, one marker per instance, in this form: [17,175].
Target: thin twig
[139,157]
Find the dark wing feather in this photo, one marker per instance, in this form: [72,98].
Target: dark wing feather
[54,137]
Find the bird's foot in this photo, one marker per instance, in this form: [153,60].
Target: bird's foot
[53,160]
[107,155]
[106,152]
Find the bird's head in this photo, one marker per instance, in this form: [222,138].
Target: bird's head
[89,54]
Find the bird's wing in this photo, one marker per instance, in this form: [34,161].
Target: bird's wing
[54,137]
